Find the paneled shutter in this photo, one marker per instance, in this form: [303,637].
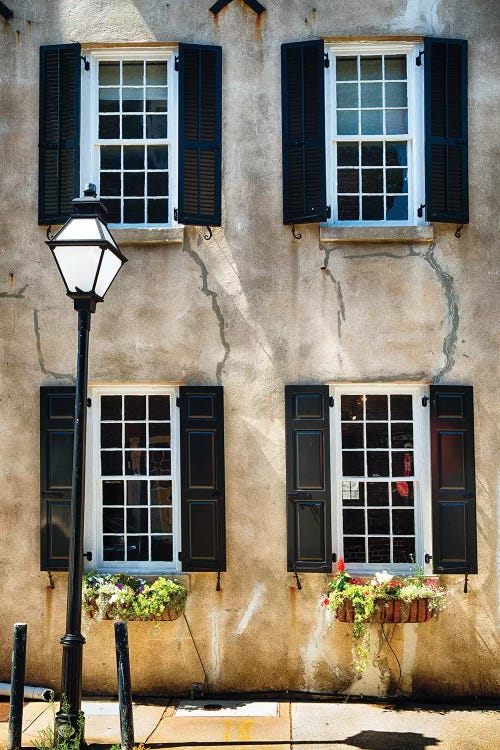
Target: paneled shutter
[453,479]
[308,478]
[200,134]
[59,136]
[57,416]
[202,478]
[303,125]
[446,178]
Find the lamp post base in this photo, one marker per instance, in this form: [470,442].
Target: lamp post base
[68,722]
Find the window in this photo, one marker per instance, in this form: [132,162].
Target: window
[374,142]
[380,478]
[129,121]
[143,124]
[380,474]
[375,133]
[155,498]
[136,470]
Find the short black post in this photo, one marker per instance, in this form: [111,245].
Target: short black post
[124,686]
[17,687]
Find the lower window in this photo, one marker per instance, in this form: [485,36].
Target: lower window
[380,478]
[134,503]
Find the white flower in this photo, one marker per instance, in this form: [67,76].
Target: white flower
[383,577]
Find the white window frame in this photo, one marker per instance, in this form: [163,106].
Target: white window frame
[422,475]
[93,502]
[415,136]
[89,146]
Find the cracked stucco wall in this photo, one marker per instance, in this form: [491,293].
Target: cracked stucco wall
[252,309]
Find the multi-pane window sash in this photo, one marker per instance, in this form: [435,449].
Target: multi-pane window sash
[132,135]
[136,468]
[381,476]
[374,134]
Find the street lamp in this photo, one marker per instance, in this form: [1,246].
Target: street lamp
[88,259]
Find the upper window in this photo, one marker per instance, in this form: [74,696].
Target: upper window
[129,118]
[374,134]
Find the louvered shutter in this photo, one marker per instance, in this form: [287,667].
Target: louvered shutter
[303,126]
[446,168]
[453,479]
[202,478]
[200,134]
[59,136]
[57,417]
[308,478]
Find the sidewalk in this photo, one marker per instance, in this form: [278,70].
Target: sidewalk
[282,725]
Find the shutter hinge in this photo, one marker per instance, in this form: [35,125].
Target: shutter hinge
[176,62]
[331,401]
[176,214]
[328,212]
[420,210]
[327,60]
[88,556]
[179,556]
[334,557]
[217,585]
[425,400]
[427,558]
[418,59]
[86,63]
[89,403]
[178,403]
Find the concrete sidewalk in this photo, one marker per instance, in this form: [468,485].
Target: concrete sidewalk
[282,725]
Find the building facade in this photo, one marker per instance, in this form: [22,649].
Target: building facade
[297,364]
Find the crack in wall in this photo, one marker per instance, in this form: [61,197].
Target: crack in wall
[15,295]
[338,291]
[187,248]
[447,283]
[41,361]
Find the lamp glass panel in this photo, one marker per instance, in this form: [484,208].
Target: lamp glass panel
[78,265]
[79,229]
[110,266]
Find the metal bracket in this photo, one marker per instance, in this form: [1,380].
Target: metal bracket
[176,62]
[297,236]
[88,556]
[418,59]
[253,4]
[327,60]
[427,558]
[217,587]
[51,580]
[420,210]
[209,235]
[458,232]
[86,63]
[331,401]
[178,403]
[50,236]
[89,403]
[299,585]
[425,400]
[466,587]
[176,215]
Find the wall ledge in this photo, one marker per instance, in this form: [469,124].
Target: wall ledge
[385,235]
[152,236]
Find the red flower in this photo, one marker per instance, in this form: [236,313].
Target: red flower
[356,581]
[325,602]
[341,565]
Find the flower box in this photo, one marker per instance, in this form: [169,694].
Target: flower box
[394,611]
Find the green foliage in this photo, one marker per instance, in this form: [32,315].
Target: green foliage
[124,597]
[48,739]
[366,597]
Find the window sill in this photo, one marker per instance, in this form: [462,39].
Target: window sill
[386,235]
[152,236]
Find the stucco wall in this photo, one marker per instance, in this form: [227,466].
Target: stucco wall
[253,310]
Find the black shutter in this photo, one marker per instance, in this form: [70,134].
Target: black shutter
[303,125]
[202,478]
[57,417]
[308,477]
[446,178]
[200,134]
[453,480]
[59,136]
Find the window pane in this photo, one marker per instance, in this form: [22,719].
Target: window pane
[403,522]
[371,68]
[137,519]
[133,211]
[160,463]
[135,463]
[109,100]
[402,464]
[395,67]
[112,493]
[135,407]
[347,122]
[352,435]
[161,520]
[111,463]
[347,68]
[371,94]
[348,207]
[347,154]
[379,550]
[397,180]
[354,550]
[162,548]
[376,407]
[372,121]
[377,493]
[377,435]
[111,435]
[113,548]
[372,154]
[111,183]
[401,407]
[110,157]
[156,73]
[109,73]
[133,157]
[347,95]
[156,126]
[396,121]
[395,95]
[158,183]
[161,493]
[354,521]
[132,126]
[137,548]
[378,464]
[133,183]
[137,492]
[156,100]
[402,435]
[133,73]
[132,100]
[348,181]
[373,181]
[397,208]
[373,208]
[159,435]
[353,493]
[378,521]
[402,493]
[135,436]
[159,407]
[112,520]
[396,154]
[157,157]
[403,549]
[114,211]
[351,407]
[109,126]
[353,464]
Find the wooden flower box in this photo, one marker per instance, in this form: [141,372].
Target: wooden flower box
[394,611]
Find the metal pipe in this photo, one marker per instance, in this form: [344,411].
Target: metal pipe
[30,691]
[17,692]
[124,686]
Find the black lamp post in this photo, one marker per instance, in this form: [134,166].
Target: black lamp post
[88,259]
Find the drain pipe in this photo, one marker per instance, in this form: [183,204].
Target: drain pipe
[34,693]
